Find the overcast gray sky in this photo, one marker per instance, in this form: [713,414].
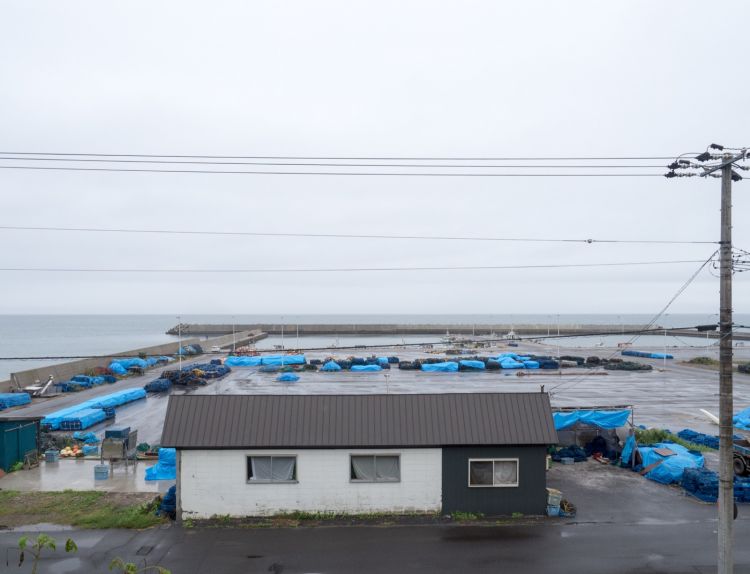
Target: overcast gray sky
[317,78]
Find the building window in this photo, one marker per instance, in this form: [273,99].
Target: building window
[272,469]
[375,468]
[493,472]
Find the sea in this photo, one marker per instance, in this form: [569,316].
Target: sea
[30,341]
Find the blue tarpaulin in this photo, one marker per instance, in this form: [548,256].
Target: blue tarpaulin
[383,361]
[287,378]
[601,419]
[233,361]
[646,355]
[366,368]
[331,366]
[116,399]
[627,451]
[449,367]
[117,368]
[467,364]
[508,363]
[742,419]
[8,400]
[672,467]
[83,419]
[166,468]
[531,364]
[280,360]
[130,362]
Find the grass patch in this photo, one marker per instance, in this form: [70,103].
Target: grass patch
[703,361]
[651,436]
[83,509]
[465,516]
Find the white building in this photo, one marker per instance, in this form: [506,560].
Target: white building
[258,455]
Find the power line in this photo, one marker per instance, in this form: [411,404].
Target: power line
[319,164]
[346,158]
[340,269]
[346,235]
[325,173]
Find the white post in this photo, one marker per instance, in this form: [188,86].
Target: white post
[234,342]
[179,339]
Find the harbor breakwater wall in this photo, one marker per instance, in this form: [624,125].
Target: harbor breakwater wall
[399,329]
[64,371]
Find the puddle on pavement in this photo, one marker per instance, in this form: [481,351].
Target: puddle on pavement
[482,534]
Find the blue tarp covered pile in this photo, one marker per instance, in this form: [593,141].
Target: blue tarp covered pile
[366,368]
[53,420]
[471,366]
[601,419]
[209,370]
[86,381]
[699,438]
[82,419]
[168,506]
[447,367]
[287,378]
[158,386]
[166,468]
[575,452]
[331,366]
[270,360]
[646,355]
[669,468]
[742,419]
[704,484]
[8,400]
[86,437]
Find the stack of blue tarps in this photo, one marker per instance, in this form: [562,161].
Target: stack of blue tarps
[670,468]
[383,361]
[366,368]
[117,368]
[82,419]
[331,366]
[287,378]
[130,362]
[742,419]
[699,438]
[8,400]
[646,355]
[88,381]
[158,386]
[509,363]
[529,364]
[168,504]
[471,365]
[166,468]
[447,367]
[53,420]
[87,437]
[601,419]
[704,485]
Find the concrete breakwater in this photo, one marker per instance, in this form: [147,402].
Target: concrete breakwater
[400,329]
[64,371]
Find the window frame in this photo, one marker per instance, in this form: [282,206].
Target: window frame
[493,461]
[249,480]
[375,456]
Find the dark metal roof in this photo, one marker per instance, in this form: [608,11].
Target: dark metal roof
[331,421]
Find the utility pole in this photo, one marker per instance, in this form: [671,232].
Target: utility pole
[710,162]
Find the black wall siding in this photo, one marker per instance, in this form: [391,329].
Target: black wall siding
[530,497]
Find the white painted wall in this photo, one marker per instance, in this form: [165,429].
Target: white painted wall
[214,482]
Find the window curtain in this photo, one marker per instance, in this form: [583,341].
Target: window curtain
[282,468]
[261,467]
[506,472]
[387,468]
[480,473]
[363,468]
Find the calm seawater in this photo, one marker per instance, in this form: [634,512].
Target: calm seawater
[65,335]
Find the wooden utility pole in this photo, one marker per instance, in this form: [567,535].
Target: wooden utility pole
[726,407]
[710,162]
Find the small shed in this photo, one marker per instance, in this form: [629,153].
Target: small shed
[255,455]
[19,436]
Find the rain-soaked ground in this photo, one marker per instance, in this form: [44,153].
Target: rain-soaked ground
[670,396]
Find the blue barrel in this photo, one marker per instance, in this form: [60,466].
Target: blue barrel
[101,472]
